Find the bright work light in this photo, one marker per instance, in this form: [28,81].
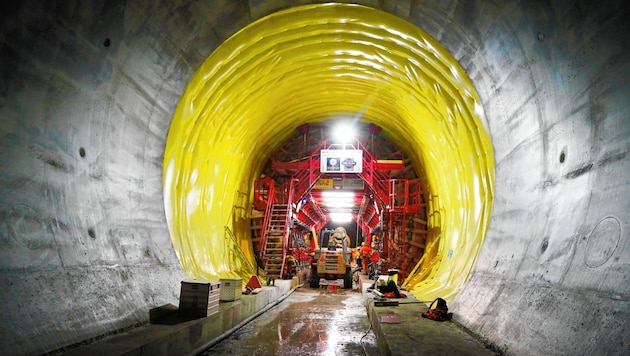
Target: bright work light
[341,217]
[344,133]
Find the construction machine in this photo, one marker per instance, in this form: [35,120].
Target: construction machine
[333,261]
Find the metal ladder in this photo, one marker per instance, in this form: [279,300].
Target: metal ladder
[273,253]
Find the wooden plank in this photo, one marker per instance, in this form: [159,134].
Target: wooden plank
[417,244]
[420,239]
[417,231]
[418,220]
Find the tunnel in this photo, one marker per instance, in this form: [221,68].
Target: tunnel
[132,132]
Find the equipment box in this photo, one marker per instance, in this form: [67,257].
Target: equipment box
[199,298]
[231,289]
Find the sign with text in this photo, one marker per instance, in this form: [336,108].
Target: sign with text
[345,183]
[353,184]
[323,183]
[341,161]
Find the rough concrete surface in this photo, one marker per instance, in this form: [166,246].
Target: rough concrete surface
[88,89]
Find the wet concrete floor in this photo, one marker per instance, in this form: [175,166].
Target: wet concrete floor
[308,322]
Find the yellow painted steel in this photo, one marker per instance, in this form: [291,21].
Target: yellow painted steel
[316,63]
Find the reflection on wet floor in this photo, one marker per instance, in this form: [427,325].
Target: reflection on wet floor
[308,322]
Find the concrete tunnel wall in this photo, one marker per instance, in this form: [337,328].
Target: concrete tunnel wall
[88,90]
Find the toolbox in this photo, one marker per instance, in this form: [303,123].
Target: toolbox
[232,289]
[199,298]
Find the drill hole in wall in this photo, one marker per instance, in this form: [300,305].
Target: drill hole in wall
[82,152]
[91,233]
[562,157]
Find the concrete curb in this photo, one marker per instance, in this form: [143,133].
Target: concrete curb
[414,335]
[175,335]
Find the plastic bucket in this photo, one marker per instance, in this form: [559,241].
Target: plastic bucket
[393,275]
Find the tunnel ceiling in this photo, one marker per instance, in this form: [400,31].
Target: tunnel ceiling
[313,64]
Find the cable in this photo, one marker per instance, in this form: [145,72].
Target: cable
[418,302]
[361,340]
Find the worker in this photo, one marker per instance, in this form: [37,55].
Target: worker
[308,242]
[290,266]
[365,252]
[375,258]
[375,242]
[356,257]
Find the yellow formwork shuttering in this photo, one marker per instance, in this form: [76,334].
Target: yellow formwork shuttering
[316,63]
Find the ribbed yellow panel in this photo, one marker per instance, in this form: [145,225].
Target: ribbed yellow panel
[315,63]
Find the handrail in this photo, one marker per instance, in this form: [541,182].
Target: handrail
[407,198]
[435,214]
[287,225]
[240,251]
[312,173]
[313,213]
[267,219]
[417,272]
[379,185]
[321,215]
[384,150]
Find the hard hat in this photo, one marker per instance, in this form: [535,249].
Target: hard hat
[362,243]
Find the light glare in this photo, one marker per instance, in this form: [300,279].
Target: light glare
[341,217]
[344,133]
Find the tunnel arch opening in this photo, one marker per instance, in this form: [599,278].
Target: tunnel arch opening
[307,64]
[354,178]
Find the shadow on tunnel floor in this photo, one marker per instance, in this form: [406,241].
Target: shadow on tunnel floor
[168,314]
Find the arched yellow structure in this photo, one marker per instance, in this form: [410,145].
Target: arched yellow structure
[315,63]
